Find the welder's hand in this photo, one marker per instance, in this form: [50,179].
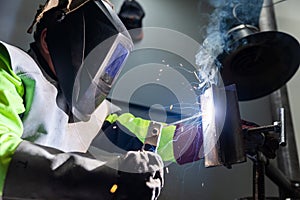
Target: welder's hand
[264,142]
[141,176]
[270,146]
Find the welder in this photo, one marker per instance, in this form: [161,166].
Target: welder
[78,51]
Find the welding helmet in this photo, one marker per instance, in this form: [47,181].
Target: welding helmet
[88,45]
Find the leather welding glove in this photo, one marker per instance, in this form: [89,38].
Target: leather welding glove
[38,172]
[139,180]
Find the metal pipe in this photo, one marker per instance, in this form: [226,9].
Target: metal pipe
[276,175]
[287,156]
[266,128]
[258,179]
[267,17]
[283,131]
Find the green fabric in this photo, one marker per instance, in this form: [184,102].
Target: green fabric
[11,105]
[165,148]
[112,118]
[139,127]
[29,84]
[135,125]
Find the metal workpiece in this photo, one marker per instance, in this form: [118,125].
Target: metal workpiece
[222,132]
[231,139]
[211,131]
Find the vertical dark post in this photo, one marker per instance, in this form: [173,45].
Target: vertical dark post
[258,179]
[287,158]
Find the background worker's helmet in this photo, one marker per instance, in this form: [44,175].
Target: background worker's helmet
[88,45]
